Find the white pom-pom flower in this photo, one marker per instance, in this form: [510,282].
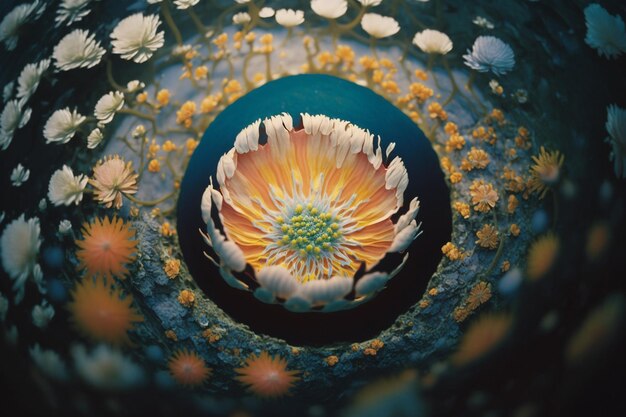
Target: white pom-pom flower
[136,37]
[330,9]
[289,17]
[605,32]
[15,20]
[62,126]
[19,247]
[379,26]
[433,42]
[108,105]
[65,188]
[78,49]
[71,11]
[185,4]
[29,78]
[13,117]
[490,54]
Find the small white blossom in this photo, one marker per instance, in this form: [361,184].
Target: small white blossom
[11,119]
[289,17]
[108,105]
[78,49]
[370,3]
[7,91]
[4,307]
[241,18]
[19,175]
[29,78]
[42,314]
[242,1]
[521,96]
[154,1]
[136,38]
[95,138]
[379,26]
[49,362]
[14,21]
[19,247]
[65,226]
[139,131]
[483,22]
[330,9]
[134,86]
[605,32]
[433,42]
[616,127]
[62,126]
[64,188]
[72,11]
[490,54]
[185,4]
[43,204]
[266,12]
[106,368]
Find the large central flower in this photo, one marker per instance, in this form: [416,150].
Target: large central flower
[307,210]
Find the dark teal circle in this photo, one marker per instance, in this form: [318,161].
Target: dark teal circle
[336,98]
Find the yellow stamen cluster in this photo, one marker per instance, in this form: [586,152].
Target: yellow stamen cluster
[309,231]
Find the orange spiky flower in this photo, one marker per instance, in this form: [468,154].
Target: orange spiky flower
[107,247]
[100,312]
[266,376]
[188,368]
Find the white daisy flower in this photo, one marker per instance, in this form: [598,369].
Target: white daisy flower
[29,78]
[134,86]
[49,362]
[185,4]
[433,42]
[19,175]
[19,247]
[94,139]
[242,1]
[241,18]
[154,1]
[605,32]
[72,11]
[136,38]
[108,105]
[490,54]
[616,127]
[65,226]
[42,314]
[13,117]
[370,3]
[379,26]
[78,49]
[7,91]
[289,17]
[266,12]
[62,125]
[66,189]
[106,368]
[330,9]
[14,21]
[483,22]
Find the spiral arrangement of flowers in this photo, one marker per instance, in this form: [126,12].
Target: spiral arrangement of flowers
[325,207]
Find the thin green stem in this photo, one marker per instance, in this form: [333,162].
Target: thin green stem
[167,15]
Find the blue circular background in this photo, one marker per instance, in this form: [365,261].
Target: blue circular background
[336,98]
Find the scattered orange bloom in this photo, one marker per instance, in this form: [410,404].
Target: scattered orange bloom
[331,360]
[479,294]
[487,237]
[484,196]
[188,368]
[100,312]
[163,97]
[436,111]
[185,114]
[266,376]
[186,298]
[478,158]
[512,204]
[154,165]
[452,252]
[462,208]
[598,239]
[546,171]
[541,256]
[172,268]
[515,230]
[107,247]
[482,337]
